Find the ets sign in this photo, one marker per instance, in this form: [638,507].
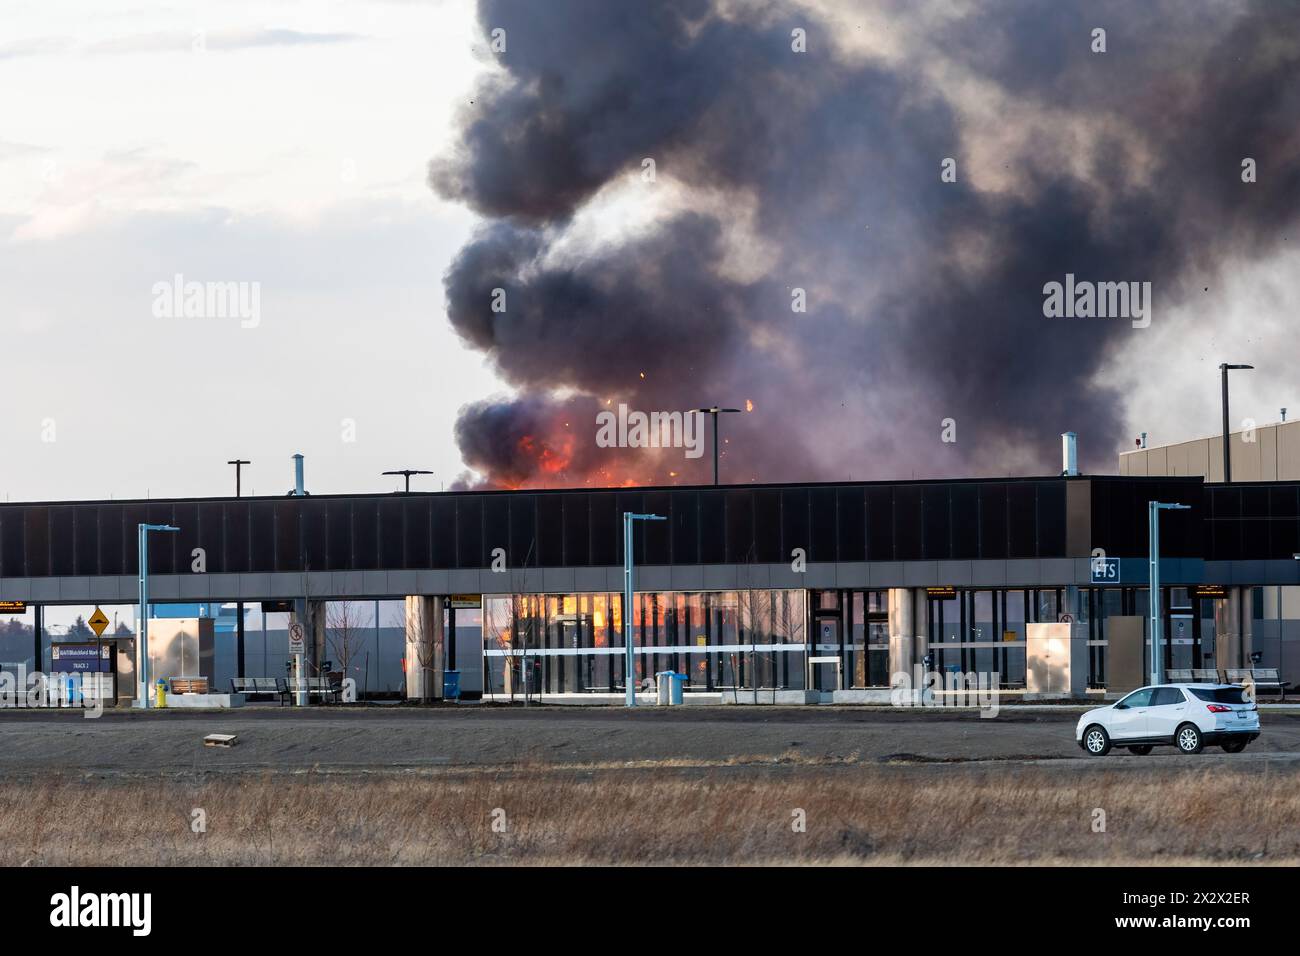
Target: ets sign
[1105,570]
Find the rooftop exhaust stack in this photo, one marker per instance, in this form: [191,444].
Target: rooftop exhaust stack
[298,489]
[1069,454]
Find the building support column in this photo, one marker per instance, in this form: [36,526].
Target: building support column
[1232,638]
[317,648]
[38,625]
[909,628]
[424,647]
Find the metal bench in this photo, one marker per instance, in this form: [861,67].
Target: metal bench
[1260,678]
[265,686]
[1179,675]
[313,687]
[1206,675]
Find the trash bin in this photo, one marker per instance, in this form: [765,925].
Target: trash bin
[677,682]
[663,684]
[451,685]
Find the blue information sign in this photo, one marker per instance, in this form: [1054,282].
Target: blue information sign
[73,658]
[1105,570]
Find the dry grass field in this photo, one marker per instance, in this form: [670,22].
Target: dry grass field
[739,814]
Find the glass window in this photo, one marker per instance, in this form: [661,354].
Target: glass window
[1139,698]
[712,528]
[794,519]
[576,531]
[993,521]
[823,545]
[852,524]
[550,533]
[1164,696]
[1221,695]
[685,522]
[880,524]
[767,526]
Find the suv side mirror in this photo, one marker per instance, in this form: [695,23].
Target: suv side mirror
[1121,706]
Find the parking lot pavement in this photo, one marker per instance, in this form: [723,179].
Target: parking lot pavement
[392,738]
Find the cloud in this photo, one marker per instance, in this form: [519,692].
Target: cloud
[174,41]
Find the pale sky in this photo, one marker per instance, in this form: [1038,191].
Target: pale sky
[284,144]
[278,143]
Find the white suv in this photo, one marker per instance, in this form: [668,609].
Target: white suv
[1187,716]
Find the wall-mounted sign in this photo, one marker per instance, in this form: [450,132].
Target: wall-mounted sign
[277,607]
[465,600]
[297,638]
[13,607]
[1105,570]
[72,658]
[1209,591]
[941,594]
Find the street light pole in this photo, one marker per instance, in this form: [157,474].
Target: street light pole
[239,464]
[1224,369]
[714,410]
[407,473]
[629,667]
[142,641]
[1155,609]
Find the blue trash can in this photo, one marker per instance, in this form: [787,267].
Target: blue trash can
[678,683]
[451,685]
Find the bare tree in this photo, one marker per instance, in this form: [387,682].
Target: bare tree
[427,653]
[346,628]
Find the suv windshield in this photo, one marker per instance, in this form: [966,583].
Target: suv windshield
[1221,695]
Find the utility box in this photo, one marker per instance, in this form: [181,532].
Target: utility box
[1125,654]
[1056,660]
[124,647]
[182,647]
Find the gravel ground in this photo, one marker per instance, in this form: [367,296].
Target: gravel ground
[399,738]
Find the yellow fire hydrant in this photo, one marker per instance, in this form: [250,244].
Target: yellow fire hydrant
[161,689]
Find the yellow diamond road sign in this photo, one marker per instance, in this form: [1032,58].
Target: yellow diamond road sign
[98,621]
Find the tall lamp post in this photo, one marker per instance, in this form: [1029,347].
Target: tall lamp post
[1155,607]
[407,473]
[715,410]
[142,643]
[239,464]
[629,667]
[1224,369]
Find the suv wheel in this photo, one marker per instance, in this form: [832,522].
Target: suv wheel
[1140,749]
[1188,739]
[1096,741]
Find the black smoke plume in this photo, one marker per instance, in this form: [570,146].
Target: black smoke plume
[779,170]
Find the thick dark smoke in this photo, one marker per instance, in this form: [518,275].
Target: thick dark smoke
[821,170]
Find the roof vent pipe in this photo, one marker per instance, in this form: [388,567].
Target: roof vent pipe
[299,489]
[1069,454]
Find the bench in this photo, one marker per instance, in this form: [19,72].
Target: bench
[1262,678]
[189,685]
[313,687]
[1179,675]
[1206,675]
[267,686]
